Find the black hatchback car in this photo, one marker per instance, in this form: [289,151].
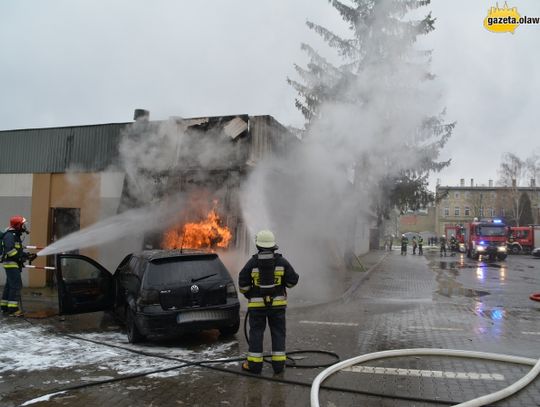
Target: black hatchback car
[157,292]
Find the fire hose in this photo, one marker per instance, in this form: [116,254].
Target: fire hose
[477,402]
[291,361]
[210,364]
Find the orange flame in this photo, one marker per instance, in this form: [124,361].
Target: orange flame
[206,234]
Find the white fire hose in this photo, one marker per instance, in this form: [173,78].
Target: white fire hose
[477,402]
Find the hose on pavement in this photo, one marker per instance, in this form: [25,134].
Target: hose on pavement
[477,402]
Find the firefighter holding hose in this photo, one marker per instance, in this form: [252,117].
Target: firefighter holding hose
[13,259]
[264,281]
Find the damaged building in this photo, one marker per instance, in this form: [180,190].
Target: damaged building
[63,179]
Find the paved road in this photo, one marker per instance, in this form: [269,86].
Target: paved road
[403,302]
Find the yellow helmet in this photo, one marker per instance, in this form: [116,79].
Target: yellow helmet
[265,239]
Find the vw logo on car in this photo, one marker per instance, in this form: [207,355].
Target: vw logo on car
[194,289]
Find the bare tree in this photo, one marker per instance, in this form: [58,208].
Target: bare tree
[512,173]
[532,167]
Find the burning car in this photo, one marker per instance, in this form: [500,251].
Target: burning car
[154,292]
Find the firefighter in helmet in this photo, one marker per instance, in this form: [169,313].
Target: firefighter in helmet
[454,247]
[442,241]
[264,281]
[404,242]
[13,260]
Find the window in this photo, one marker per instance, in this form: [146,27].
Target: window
[491,212]
[456,211]
[456,195]
[481,211]
[446,212]
[467,211]
[74,269]
[503,212]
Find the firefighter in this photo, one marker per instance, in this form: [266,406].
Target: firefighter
[404,242]
[414,245]
[420,245]
[442,241]
[453,245]
[13,260]
[264,281]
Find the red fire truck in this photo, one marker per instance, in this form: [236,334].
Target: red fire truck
[486,238]
[459,233]
[523,239]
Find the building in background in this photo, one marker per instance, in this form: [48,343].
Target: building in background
[460,204]
[420,222]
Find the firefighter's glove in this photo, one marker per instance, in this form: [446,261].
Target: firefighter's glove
[30,257]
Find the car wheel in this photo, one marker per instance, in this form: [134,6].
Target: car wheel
[501,256]
[229,330]
[475,256]
[133,333]
[515,249]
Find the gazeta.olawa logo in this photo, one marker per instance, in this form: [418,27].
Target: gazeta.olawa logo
[506,19]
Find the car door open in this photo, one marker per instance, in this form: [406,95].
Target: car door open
[83,285]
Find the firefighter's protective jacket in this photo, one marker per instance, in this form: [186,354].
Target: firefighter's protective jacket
[13,250]
[256,291]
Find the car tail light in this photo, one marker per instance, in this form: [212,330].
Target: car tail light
[149,297]
[231,290]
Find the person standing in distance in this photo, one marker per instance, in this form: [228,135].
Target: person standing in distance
[264,281]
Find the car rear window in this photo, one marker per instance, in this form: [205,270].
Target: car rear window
[185,271]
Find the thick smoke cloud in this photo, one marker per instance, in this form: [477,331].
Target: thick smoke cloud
[318,198]
[152,154]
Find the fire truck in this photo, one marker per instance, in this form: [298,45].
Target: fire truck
[523,239]
[459,233]
[486,238]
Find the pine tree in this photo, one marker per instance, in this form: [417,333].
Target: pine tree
[380,49]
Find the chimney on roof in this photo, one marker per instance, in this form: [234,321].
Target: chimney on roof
[514,183]
[462,182]
[490,183]
[472,182]
[533,183]
[141,114]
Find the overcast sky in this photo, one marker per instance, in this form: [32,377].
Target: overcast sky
[86,62]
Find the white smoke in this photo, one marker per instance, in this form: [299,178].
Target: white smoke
[118,227]
[310,199]
[152,154]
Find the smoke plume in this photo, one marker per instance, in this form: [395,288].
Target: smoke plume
[318,199]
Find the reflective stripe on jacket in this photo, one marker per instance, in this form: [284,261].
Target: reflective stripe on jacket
[13,248]
[249,283]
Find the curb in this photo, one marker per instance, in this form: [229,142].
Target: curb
[360,279]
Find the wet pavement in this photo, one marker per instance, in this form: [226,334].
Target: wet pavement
[399,302]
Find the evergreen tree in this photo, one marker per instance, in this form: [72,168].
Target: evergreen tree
[380,73]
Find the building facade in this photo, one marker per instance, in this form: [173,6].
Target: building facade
[461,204]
